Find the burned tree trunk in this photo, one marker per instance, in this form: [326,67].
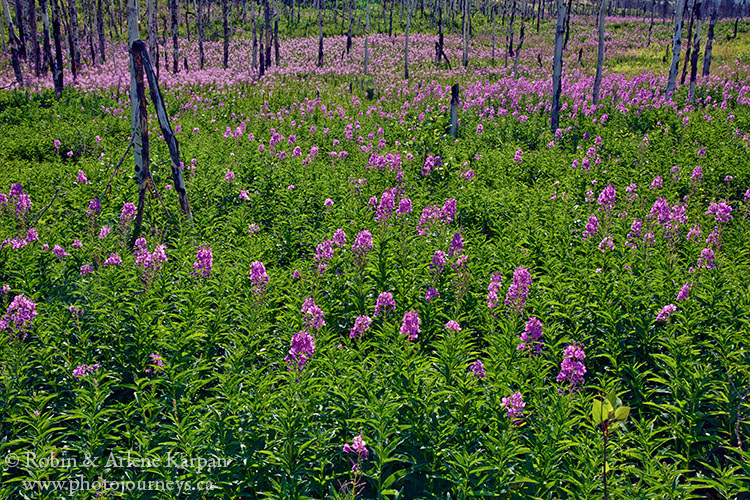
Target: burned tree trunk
[254,63]
[153,31]
[75,51]
[599,52]
[710,39]
[225,15]
[276,39]
[696,50]
[262,66]
[453,130]
[351,22]
[175,43]
[57,73]
[467,13]
[320,33]
[520,38]
[689,47]
[269,32]
[441,37]
[493,34]
[567,25]
[676,46]
[651,24]
[49,62]
[367,38]
[34,51]
[15,45]
[406,43]
[509,37]
[21,30]
[100,29]
[557,67]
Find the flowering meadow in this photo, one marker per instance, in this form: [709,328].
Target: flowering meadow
[363,306]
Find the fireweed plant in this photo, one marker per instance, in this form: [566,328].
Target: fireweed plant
[367,307]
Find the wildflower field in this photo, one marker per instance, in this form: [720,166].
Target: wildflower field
[363,306]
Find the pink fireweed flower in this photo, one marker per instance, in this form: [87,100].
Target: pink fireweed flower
[295,274]
[128,212]
[245,195]
[468,175]
[453,325]
[339,238]
[448,212]
[33,235]
[531,337]
[384,304]
[82,177]
[359,448]
[697,174]
[113,260]
[361,325]
[410,325]
[606,199]
[656,183]
[404,206]
[592,227]
[83,370]
[229,177]
[77,243]
[362,245]
[95,207]
[478,368]
[253,228]
[157,364]
[706,259]
[323,255]
[572,369]
[493,289]
[57,144]
[607,244]
[19,315]
[204,261]
[328,202]
[666,312]
[258,277]
[301,351]
[86,269]
[721,211]
[431,293]
[104,231]
[519,289]
[74,310]
[438,261]
[518,158]
[60,252]
[313,315]
[457,245]
[514,406]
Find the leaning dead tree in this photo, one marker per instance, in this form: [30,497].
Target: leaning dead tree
[140,66]
[557,67]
